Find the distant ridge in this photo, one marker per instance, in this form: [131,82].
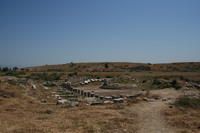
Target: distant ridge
[119,67]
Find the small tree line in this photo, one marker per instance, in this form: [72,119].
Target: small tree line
[8,69]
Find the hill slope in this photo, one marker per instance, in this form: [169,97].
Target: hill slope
[119,67]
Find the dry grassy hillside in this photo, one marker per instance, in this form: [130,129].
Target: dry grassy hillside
[118,67]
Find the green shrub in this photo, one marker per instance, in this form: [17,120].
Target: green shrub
[161,84]
[187,102]
[106,65]
[109,76]
[175,84]
[140,68]
[46,76]
[73,74]
[55,70]
[14,73]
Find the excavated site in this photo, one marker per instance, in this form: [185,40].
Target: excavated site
[34,100]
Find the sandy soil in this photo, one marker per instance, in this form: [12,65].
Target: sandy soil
[151,119]
[150,114]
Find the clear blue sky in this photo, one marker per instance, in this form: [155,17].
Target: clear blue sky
[37,32]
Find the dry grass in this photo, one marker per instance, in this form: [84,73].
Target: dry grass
[119,67]
[186,120]
[20,113]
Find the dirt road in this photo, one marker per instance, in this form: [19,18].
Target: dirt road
[150,117]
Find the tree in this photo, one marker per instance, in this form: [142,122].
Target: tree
[106,65]
[5,69]
[15,68]
[72,64]
[0,69]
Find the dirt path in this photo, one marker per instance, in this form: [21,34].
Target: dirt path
[151,119]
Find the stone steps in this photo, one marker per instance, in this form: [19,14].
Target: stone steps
[72,99]
[66,96]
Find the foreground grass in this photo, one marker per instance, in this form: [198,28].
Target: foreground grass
[186,120]
[99,119]
[21,113]
[185,116]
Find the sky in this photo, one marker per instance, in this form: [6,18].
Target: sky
[39,32]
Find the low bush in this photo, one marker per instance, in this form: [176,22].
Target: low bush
[14,73]
[175,85]
[187,102]
[55,70]
[6,94]
[140,68]
[46,76]
[72,74]
[161,84]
